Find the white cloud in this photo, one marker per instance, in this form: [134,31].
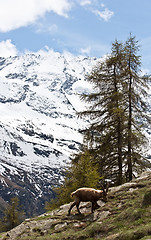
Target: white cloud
[85,50]
[42,28]
[7,49]
[95,7]
[106,14]
[102,5]
[85,2]
[19,13]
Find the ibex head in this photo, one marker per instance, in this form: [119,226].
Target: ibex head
[104,196]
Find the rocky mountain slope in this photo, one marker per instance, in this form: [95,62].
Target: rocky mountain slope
[39,128]
[126,216]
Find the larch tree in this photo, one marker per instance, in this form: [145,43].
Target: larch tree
[117,111]
[137,117]
[106,113]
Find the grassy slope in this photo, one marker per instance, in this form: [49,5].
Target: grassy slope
[129,218]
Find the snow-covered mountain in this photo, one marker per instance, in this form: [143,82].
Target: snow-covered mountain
[39,129]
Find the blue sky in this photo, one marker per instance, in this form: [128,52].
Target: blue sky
[79,26]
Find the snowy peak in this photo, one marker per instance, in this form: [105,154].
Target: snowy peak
[39,128]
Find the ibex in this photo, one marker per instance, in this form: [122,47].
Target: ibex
[88,195]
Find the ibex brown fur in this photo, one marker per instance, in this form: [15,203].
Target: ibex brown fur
[88,195]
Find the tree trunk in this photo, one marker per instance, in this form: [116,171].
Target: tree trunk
[119,133]
[120,179]
[129,159]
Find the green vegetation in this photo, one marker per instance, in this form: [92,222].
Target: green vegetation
[147,198]
[83,173]
[13,216]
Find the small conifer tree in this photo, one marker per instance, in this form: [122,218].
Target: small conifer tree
[83,172]
[13,216]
